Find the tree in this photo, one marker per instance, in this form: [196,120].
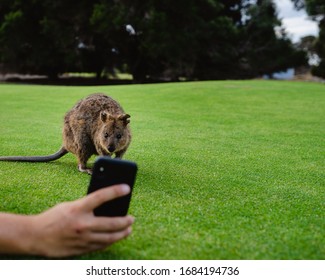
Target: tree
[173,39]
[118,27]
[219,36]
[195,39]
[320,49]
[316,9]
[41,37]
[266,48]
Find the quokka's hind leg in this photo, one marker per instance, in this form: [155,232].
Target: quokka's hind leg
[84,169]
[82,163]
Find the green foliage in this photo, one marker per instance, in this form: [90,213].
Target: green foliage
[206,39]
[227,170]
[320,50]
[265,52]
[316,9]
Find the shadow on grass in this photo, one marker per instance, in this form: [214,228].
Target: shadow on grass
[68,81]
[108,254]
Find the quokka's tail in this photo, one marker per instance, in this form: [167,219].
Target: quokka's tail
[52,157]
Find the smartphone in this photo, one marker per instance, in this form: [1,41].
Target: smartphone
[107,172]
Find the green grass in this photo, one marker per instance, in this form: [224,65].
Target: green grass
[227,170]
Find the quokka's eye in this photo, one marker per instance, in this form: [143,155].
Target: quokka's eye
[106,135]
[118,136]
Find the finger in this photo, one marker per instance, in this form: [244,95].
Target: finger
[95,242]
[106,239]
[111,224]
[82,249]
[97,198]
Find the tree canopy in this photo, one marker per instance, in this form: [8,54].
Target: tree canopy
[193,39]
[316,10]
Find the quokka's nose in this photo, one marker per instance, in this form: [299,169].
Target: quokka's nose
[111,148]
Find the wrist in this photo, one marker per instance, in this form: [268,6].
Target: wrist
[28,240]
[16,234]
[34,240]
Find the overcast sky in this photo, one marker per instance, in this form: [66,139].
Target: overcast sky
[296,22]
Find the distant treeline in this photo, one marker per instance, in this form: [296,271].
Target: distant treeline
[165,39]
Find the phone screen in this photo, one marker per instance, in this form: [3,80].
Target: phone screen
[108,172]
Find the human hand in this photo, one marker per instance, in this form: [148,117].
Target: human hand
[70,228]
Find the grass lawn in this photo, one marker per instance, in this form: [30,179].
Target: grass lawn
[227,170]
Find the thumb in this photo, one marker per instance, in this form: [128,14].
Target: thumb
[95,199]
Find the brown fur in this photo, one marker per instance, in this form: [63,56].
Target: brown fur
[95,125]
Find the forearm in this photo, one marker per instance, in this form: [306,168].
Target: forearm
[67,229]
[16,234]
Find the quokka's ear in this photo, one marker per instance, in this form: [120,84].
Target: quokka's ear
[124,118]
[104,116]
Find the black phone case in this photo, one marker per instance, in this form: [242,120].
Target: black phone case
[108,172]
